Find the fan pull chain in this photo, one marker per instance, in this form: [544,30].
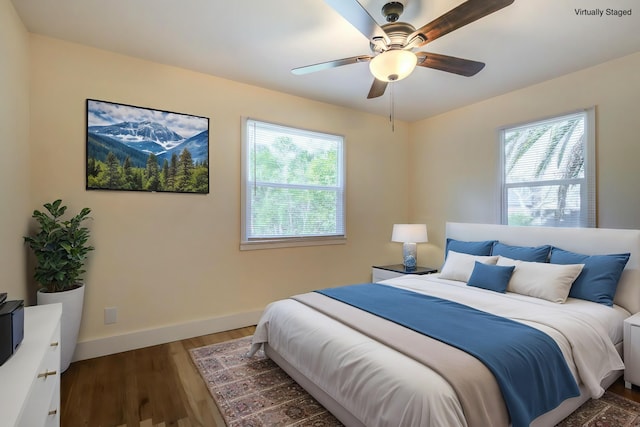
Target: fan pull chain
[392,113]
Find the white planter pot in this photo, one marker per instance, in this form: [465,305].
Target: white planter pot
[72,303]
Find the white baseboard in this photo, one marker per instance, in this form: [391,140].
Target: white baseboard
[145,338]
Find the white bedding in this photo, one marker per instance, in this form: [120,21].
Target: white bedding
[383,387]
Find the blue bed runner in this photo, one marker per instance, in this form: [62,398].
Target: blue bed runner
[528,364]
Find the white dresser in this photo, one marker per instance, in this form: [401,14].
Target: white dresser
[30,379]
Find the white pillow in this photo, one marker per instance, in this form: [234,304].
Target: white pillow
[459,266]
[541,279]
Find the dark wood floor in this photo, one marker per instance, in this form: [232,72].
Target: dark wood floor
[155,386]
[619,389]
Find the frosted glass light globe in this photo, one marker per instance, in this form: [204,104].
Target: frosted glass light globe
[393,65]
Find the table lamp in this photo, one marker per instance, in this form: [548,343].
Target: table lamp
[410,235]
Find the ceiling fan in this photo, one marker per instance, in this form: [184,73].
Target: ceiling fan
[393,43]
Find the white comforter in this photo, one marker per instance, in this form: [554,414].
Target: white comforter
[382,387]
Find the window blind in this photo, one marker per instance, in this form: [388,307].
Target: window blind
[294,183]
[548,173]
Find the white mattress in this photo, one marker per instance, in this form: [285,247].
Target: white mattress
[382,387]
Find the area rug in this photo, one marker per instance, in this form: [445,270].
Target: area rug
[255,392]
[610,410]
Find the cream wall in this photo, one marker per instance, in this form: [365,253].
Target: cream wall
[454,156]
[174,259]
[14,142]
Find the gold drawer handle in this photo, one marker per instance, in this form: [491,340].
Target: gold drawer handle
[46,374]
[54,344]
[53,412]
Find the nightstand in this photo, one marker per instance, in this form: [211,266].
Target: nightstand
[632,350]
[384,272]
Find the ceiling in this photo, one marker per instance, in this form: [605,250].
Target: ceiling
[259,41]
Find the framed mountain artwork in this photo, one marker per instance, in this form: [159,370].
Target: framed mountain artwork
[142,149]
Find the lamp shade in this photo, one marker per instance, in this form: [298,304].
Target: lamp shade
[393,65]
[409,233]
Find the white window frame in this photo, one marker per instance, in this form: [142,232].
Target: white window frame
[588,183]
[248,243]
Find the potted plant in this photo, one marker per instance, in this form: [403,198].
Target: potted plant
[60,247]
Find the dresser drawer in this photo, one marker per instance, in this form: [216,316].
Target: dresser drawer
[42,407]
[53,416]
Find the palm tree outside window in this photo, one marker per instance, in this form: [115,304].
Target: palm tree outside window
[548,171]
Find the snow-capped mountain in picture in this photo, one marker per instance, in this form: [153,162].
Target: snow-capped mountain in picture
[147,131]
[144,136]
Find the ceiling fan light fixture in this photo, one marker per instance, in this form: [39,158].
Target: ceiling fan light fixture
[393,65]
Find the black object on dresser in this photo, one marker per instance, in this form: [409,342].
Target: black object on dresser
[11,328]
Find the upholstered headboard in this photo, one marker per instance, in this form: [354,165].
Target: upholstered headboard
[590,241]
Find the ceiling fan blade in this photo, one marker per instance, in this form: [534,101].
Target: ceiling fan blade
[330,64]
[377,89]
[451,64]
[466,13]
[358,16]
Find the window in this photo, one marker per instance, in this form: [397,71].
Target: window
[293,186]
[548,171]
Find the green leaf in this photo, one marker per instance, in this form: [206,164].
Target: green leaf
[60,247]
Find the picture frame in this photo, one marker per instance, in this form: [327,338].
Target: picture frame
[133,148]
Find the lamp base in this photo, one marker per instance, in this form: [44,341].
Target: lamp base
[409,255]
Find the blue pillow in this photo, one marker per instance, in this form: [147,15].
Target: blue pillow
[523,253]
[599,278]
[482,248]
[491,277]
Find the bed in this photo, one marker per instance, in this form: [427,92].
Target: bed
[369,371]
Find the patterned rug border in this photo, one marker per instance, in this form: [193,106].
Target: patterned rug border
[253,392]
[611,410]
